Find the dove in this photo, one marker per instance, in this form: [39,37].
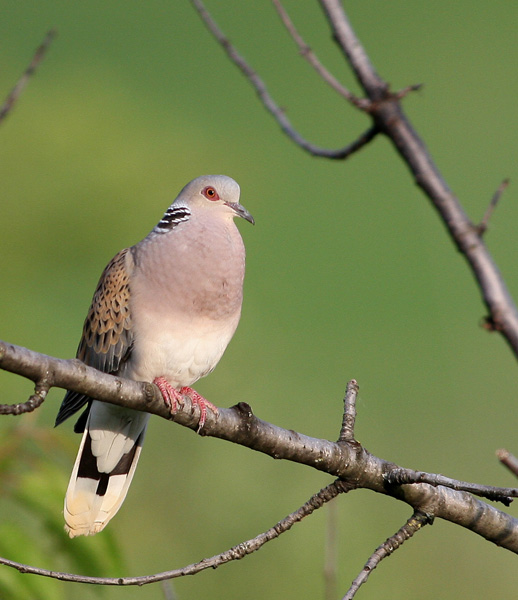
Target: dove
[164,311]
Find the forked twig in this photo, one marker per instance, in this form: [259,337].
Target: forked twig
[28,73]
[387,112]
[416,522]
[270,104]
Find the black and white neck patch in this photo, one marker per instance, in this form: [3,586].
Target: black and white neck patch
[172,217]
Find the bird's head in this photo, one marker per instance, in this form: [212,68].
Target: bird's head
[213,192]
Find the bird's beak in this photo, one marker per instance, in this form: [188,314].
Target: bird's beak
[241,211]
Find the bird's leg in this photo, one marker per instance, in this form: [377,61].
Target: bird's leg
[172,397]
[202,403]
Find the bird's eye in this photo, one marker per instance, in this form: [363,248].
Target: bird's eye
[210,193]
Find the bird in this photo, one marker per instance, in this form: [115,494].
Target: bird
[164,311]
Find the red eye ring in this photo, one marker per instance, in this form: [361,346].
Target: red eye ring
[210,193]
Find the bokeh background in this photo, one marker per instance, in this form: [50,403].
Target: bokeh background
[350,274]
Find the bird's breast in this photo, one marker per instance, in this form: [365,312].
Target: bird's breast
[185,302]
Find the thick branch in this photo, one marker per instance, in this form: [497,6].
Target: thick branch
[391,120]
[347,460]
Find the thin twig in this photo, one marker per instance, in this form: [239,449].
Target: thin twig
[313,60]
[413,525]
[508,460]
[401,476]
[270,104]
[408,90]
[41,390]
[482,226]
[349,417]
[235,553]
[29,72]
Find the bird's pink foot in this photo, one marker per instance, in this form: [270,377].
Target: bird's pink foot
[202,403]
[172,397]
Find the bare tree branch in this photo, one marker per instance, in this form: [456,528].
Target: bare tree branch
[345,37]
[35,400]
[73,374]
[29,72]
[389,117]
[348,460]
[269,102]
[416,522]
[404,476]
[236,553]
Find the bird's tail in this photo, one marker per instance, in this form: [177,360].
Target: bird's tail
[104,467]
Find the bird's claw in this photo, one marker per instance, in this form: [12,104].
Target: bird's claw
[174,398]
[202,404]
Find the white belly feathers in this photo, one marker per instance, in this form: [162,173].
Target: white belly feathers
[167,351]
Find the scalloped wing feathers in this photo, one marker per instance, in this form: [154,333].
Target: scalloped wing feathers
[107,335]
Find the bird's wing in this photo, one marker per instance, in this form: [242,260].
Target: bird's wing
[107,333]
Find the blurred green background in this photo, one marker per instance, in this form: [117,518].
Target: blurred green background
[350,274]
